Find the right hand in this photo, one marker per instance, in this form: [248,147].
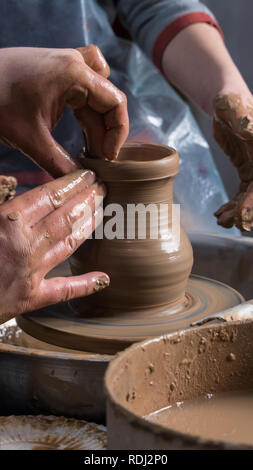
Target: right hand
[233,131]
[39,230]
[36,84]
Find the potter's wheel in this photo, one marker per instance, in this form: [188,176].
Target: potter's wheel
[41,378]
[61,325]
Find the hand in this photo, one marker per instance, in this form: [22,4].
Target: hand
[233,130]
[35,86]
[39,230]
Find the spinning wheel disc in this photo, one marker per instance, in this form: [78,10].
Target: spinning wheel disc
[61,324]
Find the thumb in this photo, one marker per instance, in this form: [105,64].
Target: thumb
[43,149]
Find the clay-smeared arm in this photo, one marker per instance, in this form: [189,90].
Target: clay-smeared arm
[35,86]
[197,62]
[39,230]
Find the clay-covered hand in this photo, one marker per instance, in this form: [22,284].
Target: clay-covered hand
[39,230]
[233,130]
[36,85]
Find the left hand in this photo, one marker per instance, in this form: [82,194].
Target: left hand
[233,131]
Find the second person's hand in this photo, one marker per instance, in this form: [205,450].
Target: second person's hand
[233,130]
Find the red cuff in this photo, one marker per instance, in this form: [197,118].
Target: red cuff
[174,28]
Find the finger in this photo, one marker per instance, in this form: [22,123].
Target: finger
[105,99]
[226,207]
[43,149]
[69,218]
[66,247]
[62,289]
[94,58]
[105,134]
[94,131]
[226,219]
[41,201]
[117,128]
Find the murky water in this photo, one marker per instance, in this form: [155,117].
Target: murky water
[225,417]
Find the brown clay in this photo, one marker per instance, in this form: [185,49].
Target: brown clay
[181,367]
[7,188]
[149,293]
[144,273]
[61,325]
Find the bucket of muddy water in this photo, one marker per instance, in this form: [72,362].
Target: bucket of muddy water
[187,390]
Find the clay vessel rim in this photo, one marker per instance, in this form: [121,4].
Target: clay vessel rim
[137,170]
[154,428]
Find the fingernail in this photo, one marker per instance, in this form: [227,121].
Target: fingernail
[101,283]
[88,176]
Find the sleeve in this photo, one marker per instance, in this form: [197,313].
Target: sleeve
[154,23]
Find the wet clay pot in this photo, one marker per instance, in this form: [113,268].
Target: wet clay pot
[149,273]
[182,366]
